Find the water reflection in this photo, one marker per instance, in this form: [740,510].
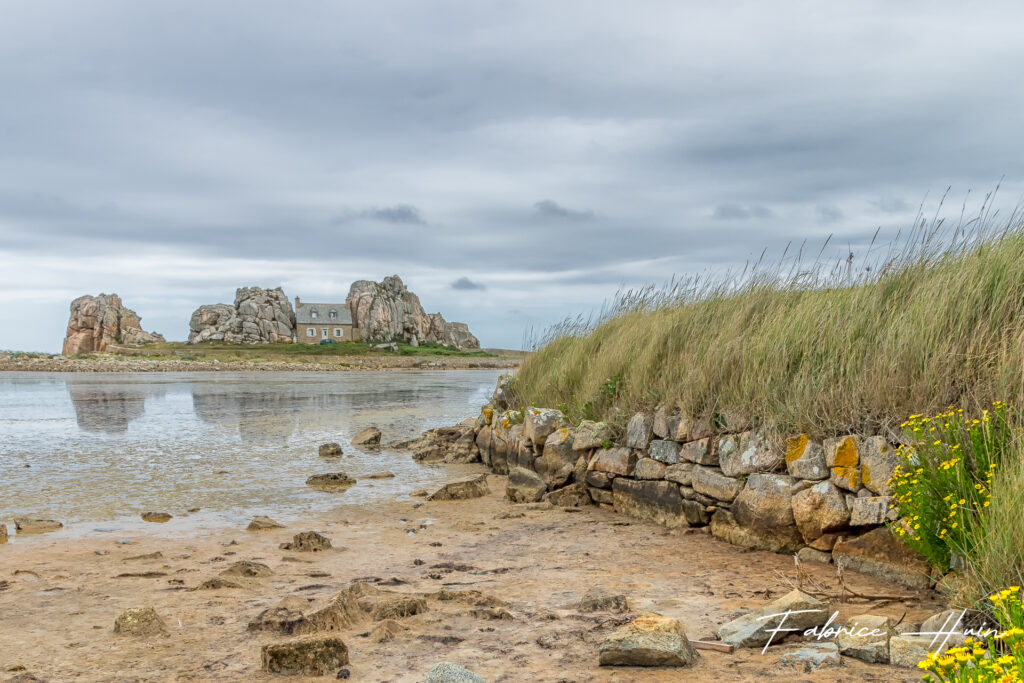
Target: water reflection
[258,416]
[108,409]
[231,444]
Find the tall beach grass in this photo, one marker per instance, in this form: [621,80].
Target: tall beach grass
[934,319]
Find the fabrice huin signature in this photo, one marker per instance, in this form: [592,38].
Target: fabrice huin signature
[952,627]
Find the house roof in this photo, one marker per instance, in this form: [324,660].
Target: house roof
[304,314]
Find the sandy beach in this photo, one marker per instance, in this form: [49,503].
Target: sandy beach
[530,564]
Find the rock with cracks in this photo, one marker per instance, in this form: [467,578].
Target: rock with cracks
[305,656]
[462,489]
[651,640]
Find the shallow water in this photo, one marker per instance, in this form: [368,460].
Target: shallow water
[87,448]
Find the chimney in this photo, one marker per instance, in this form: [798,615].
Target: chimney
[296,302]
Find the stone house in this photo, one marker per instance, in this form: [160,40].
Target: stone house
[315,322]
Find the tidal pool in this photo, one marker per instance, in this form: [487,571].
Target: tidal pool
[96,450]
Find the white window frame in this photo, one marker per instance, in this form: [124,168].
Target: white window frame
[310,332]
[339,333]
[313,315]
[323,333]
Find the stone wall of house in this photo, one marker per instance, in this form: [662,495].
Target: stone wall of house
[826,501]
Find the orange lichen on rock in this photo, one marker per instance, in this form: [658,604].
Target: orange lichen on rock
[847,454]
[850,475]
[796,447]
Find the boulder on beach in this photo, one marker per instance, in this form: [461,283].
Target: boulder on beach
[330,480]
[3,533]
[368,437]
[462,489]
[330,450]
[524,486]
[158,517]
[650,640]
[305,656]
[307,541]
[263,523]
[380,475]
[142,621]
[28,525]
[753,629]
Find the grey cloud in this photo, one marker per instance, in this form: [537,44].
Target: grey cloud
[400,214]
[464,283]
[828,213]
[740,212]
[890,204]
[552,209]
[336,135]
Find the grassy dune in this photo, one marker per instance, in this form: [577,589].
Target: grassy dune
[936,321]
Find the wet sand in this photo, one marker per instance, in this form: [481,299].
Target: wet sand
[59,597]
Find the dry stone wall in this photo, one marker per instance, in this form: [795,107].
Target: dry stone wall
[825,500]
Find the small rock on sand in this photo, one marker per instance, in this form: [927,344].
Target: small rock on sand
[3,533]
[287,617]
[386,631]
[307,541]
[148,556]
[447,672]
[330,480]
[247,569]
[305,656]
[263,523]
[813,656]
[26,525]
[368,437]
[142,621]
[651,640]
[420,493]
[218,583]
[598,600]
[398,607]
[159,517]
[380,475]
[462,489]
[330,450]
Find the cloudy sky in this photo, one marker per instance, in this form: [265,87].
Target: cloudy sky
[514,162]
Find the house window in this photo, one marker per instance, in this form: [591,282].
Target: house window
[323,333]
[310,331]
[333,315]
[313,314]
[337,332]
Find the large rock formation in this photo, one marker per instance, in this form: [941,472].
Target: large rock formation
[98,322]
[388,311]
[259,316]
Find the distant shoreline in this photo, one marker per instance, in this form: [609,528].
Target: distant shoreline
[32,363]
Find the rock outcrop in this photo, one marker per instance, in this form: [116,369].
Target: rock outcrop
[98,322]
[258,316]
[388,311]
